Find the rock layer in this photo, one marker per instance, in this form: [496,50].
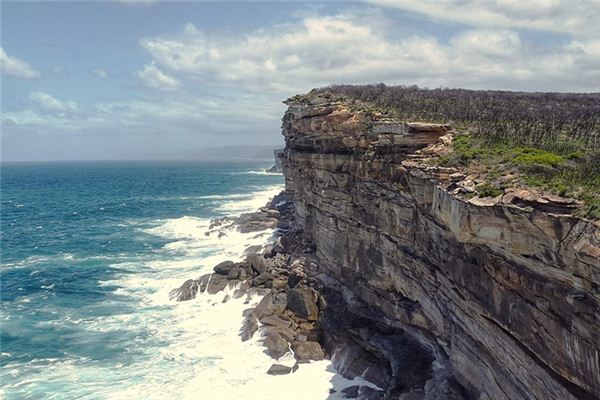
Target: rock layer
[504,293]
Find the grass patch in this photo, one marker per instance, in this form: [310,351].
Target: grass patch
[487,190]
[500,165]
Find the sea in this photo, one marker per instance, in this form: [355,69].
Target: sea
[89,254]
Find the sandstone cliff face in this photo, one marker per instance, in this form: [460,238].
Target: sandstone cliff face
[505,291]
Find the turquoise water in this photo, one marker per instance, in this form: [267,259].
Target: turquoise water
[89,254]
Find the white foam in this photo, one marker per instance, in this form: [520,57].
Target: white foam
[258,199]
[199,352]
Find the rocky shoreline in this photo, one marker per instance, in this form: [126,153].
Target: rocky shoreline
[299,314]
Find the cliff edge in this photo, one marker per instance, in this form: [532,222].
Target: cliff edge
[500,294]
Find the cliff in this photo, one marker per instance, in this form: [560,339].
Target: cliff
[499,297]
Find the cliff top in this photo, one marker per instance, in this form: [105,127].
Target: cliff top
[545,145]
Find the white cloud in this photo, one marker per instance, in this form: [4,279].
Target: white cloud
[12,66]
[154,78]
[487,43]
[100,73]
[580,17]
[49,103]
[320,50]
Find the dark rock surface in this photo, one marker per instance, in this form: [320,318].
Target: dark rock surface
[278,369]
[302,303]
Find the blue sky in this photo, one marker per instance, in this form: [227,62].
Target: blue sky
[150,79]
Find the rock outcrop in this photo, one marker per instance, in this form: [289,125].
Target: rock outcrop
[492,299]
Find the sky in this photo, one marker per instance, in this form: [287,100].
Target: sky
[154,79]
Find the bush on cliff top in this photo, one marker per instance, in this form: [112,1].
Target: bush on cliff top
[545,140]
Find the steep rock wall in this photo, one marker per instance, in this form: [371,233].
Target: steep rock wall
[505,291]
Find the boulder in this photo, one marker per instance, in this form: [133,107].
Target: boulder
[295,276]
[249,326]
[302,302]
[203,282]
[306,351]
[216,283]
[257,263]
[185,292]
[278,369]
[263,279]
[271,304]
[275,321]
[234,272]
[276,345]
[224,267]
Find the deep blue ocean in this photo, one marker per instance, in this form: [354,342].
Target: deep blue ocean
[89,253]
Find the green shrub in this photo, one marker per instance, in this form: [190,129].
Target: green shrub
[530,156]
[487,190]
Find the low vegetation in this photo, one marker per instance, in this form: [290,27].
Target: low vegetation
[549,141]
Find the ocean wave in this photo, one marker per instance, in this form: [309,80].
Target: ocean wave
[259,199]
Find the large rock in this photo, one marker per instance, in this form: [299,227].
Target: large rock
[249,325]
[303,303]
[263,279]
[275,321]
[258,263]
[187,291]
[216,283]
[278,369]
[271,304]
[275,345]
[224,267]
[306,351]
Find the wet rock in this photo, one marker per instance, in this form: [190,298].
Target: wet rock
[234,272]
[306,351]
[242,289]
[248,330]
[203,282]
[302,303]
[278,369]
[216,283]
[224,267]
[187,291]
